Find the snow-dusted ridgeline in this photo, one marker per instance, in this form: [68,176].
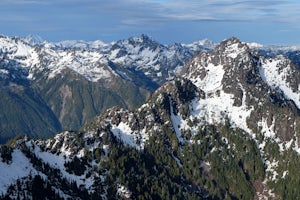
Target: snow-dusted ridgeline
[91,59]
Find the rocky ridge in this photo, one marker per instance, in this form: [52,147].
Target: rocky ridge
[74,81]
[228,128]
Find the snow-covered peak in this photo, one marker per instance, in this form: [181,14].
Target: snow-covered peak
[17,54]
[206,43]
[154,60]
[235,82]
[201,44]
[137,44]
[141,54]
[81,44]
[233,47]
[279,48]
[143,39]
[254,45]
[218,88]
[15,46]
[89,63]
[33,39]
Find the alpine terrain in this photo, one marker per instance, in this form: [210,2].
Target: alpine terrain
[227,127]
[60,86]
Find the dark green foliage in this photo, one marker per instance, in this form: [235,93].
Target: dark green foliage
[76,166]
[186,90]
[12,142]
[224,172]
[98,153]
[42,190]
[287,184]
[277,98]
[34,187]
[5,153]
[220,162]
[207,168]
[38,188]
[142,174]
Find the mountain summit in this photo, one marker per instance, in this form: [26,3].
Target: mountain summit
[226,128]
[70,82]
[240,84]
[34,39]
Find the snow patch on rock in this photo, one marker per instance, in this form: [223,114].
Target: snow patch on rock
[215,108]
[20,167]
[129,137]
[275,76]
[213,79]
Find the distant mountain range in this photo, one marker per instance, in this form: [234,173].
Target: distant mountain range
[226,127]
[70,82]
[48,87]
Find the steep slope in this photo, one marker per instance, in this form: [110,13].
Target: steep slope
[258,95]
[155,60]
[242,85]
[123,154]
[142,57]
[23,111]
[76,85]
[77,80]
[228,129]
[76,100]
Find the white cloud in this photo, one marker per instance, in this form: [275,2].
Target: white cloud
[22,2]
[206,10]
[151,11]
[220,9]
[142,16]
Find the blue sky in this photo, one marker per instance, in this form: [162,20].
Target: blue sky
[167,21]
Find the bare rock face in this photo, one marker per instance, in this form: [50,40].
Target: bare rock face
[260,89]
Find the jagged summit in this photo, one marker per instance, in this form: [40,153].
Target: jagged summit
[143,38]
[230,56]
[233,47]
[142,41]
[227,128]
[231,40]
[55,71]
[233,77]
[34,39]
